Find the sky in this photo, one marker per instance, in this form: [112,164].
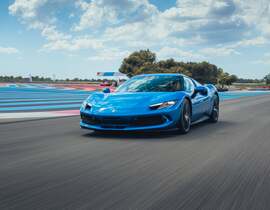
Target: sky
[77,38]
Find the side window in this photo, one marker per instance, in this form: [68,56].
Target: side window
[178,84]
[189,86]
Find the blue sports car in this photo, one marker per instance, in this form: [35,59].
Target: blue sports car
[151,102]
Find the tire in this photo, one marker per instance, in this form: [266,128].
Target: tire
[215,110]
[184,122]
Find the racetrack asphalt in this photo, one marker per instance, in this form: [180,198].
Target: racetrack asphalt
[53,164]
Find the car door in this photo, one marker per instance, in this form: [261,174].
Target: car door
[206,103]
[197,100]
[206,99]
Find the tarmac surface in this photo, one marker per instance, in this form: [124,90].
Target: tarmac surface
[53,164]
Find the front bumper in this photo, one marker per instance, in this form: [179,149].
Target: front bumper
[158,121]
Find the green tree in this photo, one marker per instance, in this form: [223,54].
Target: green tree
[204,72]
[136,60]
[227,79]
[167,64]
[267,79]
[223,79]
[178,69]
[144,62]
[148,68]
[233,78]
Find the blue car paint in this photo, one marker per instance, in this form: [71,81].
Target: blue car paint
[133,104]
[115,104]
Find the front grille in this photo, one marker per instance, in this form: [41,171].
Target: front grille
[122,122]
[148,121]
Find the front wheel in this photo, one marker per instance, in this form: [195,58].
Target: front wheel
[215,110]
[185,118]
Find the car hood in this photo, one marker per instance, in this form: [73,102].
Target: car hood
[129,103]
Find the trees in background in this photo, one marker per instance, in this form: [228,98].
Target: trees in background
[233,79]
[21,79]
[11,79]
[226,79]
[44,79]
[241,80]
[267,79]
[144,62]
[137,62]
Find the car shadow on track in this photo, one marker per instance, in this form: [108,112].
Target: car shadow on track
[201,129]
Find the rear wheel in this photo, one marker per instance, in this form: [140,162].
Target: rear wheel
[185,118]
[215,110]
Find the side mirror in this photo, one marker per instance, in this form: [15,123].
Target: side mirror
[200,89]
[106,90]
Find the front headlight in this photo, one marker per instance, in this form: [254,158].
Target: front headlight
[86,105]
[162,105]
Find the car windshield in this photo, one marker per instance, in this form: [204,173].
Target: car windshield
[155,83]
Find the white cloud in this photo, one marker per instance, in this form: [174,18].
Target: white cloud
[219,51]
[52,34]
[109,54]
[93,15]
[73,44]
[192,55]
[172,52]
[113,12]
[192,8]
[216,28]
[8,50]
[264,60]
[26,9]
[40,15]
[253,42]
[201,20]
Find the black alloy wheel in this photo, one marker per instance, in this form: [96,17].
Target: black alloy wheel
[185,118]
